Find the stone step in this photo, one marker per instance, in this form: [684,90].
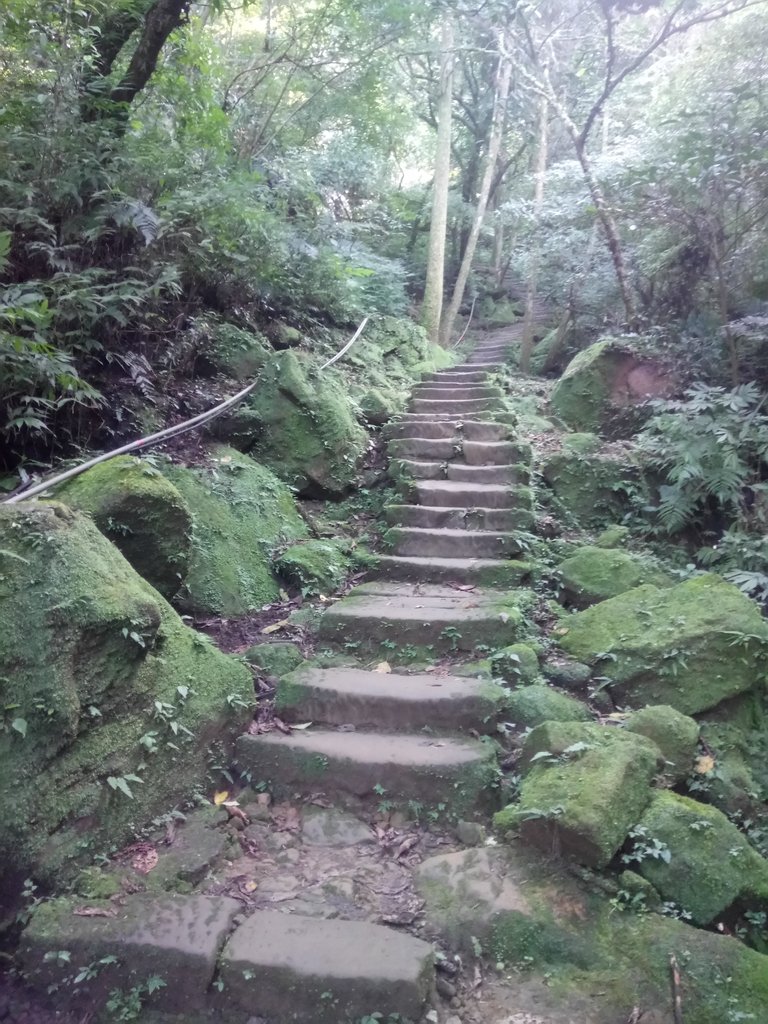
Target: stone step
[429,543]
[481,364]
[307,970]
[496,453]
[457,376]
[389,702]
[500,352]
[456,407]
[490,416]
[479,572]
[455,494]
[458,392]
[425,516]
[413,469]
[384,617]
[472,430]
[430,447]
[474,453]
[370,766]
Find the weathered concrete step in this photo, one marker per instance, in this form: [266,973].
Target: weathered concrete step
[356,766]
[432,543]
[487,365]
[388,701]
[459,518]
[444,429]
[454,406]
[474,453]
[480,572]
[412,469]
[456,375]
[387,616]
[443,448]
[452,494]
[307,970]
[458,392]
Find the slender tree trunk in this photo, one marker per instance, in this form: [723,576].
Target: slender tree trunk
[433,293]
[526,344]
[501,95]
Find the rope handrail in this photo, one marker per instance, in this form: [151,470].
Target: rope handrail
[161,435]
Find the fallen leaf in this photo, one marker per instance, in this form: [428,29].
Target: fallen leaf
[94,912]
[276,626]
[145,860]
[249,886]
[220,798]
[383,667]
[705,763]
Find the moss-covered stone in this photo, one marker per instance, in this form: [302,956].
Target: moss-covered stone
[516,664]
[581,443]
[594,488]
[570,675]
[594,574]
[235,352]
[585,786]
[675,735]
[142,513]
[277,659]
[376,407]
[241,514]
[315,566]
[709,865]
[690,646]
[613,537]
[87,648]
[532,705]
[604,387]
[736,784]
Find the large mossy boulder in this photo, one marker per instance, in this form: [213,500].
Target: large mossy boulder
[233,351]
[604,387]
[676,736]
[142,513]
[593,574]
[315,566]
[529,706]
[111,701]
[707,866]
[584,788]
[690,646]
[594,487]
[307,432]
[241,512]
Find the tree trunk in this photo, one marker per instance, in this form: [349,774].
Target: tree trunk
[433,292]
[501,95]
[526,344]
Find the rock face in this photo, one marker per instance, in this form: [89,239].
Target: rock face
[241,512]
[691,646]
[709,865]
[584,788]
[87,648]
[594,574]
[142,513]
[603,386]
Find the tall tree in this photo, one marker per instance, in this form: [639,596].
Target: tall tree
[526,342]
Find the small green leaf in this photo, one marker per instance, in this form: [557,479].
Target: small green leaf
[19,725]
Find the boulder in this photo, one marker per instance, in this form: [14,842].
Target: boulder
[706,865]
[593,488]
[605,386]
[676,736]
[115,701]
[613,537]
[690,646]
[516,664]
[377,408]
[593,574]
[275,659]
[241,513]
[584,788]
[315,566]
[142,513]
[529,706]
[233,351]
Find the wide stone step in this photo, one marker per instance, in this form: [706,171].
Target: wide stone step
[429,447]
[458,392]
[495,453]
[456,407]
[388,701]
[449,493]
[445,429]
[427,543]
[353,766]
[457,375]
[306,970]
[414,469]
[474,453]
[479,572]
[428,517]
[387,617]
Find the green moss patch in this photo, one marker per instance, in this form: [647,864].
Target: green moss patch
[315,566]
[594,574]
[532,705]
[675,735]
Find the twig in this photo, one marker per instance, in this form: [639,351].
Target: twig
[677,999]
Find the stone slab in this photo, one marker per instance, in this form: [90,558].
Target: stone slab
[483,572]
[448,543]
[331,827]
[427,516]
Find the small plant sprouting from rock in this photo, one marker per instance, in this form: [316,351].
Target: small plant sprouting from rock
[645,847]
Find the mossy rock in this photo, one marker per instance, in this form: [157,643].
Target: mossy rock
[567,674]
[241,514]
[690,646]
[613,537]
[142,513]
[594,574]
[594,488]
[531,705]
[676,736]
[235,352]
[315,566]
[277,659]
[308,433]
[584,788]
[377,408]
[516,664]
[709,865]
[736,784]
[605,386]
[87,648]
[581,443]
